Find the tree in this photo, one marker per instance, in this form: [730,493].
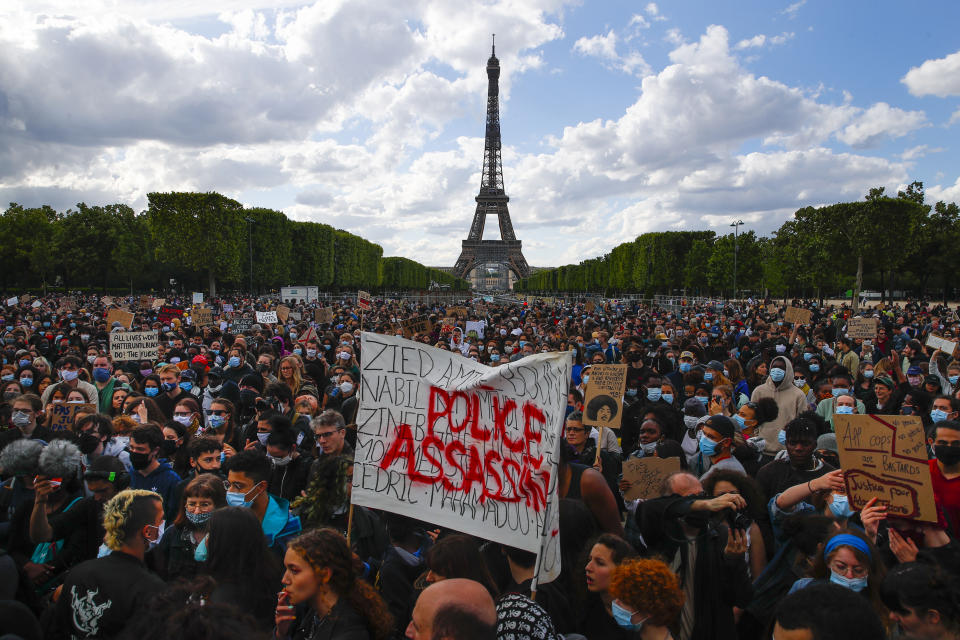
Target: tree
[27,241]
[272,235]
[201,231]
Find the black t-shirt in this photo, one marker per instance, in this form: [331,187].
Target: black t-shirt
[778,475]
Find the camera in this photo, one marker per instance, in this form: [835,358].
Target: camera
[263,404]
[737,520]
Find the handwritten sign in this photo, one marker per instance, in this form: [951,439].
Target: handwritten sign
[947,346]
[886,457]
[168,313]
[125,318]
[796,315]
[197,297]
[603,404]
[323,315]
[242,325]
[61,414]
[364,300]
[461,445]
[36,304]
[68,303]
[201,315]
[589,306]
[862,328]
[107,300]
[283,312]
[310,335]
[228,308]
[296,316]
[133,345]
[646,475]
[266,317]
[413,326]
[457,312]
[158,303]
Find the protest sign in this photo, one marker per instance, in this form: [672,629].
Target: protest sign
[144,303]
[62,414]
[461,445]
[201,316]
[12,301]
[168,313]
[228,308]
[459,312]
[197,297]
[324,315]
[477,326]
[25,298]
[449,322]
[36,304]
[885,457]
[862,328]
[364,300]
[242,325]
[646,476]
[296,316]
[310,335]
[947,346]
[283,312]
[158,303]
[772,309]
[418,324]
[589,306]
[266,317]
[68,303]
[125,318]
[107,300]
[796,315]
[133,345]
[603,404]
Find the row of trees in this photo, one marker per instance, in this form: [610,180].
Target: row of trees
[876,243]
[196,239]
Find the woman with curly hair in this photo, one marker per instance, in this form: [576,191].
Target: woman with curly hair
[646,598]
[324,596]
[596,612]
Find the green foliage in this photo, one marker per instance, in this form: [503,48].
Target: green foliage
[401,273]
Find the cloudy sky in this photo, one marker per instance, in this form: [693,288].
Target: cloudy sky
[618,117]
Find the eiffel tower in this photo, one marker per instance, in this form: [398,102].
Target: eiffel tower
[492,199]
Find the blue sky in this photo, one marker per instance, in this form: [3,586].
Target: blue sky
[618,117]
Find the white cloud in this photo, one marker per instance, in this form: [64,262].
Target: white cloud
[653,11]
[760,40]
[792,9]
[879,122]
[954,118]
[604,47]
[920,151]
[940,77]
[950,193]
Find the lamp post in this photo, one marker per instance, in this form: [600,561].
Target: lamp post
[736,227]
[250,244]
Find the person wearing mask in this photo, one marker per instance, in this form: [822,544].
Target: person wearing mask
[69,368]
[949,383]
[945,471]
[170,391]
[178,550]
[797,465]
[237,366]
[100,596]
[290,469]
[647,598]
[944,408]
[150,473]
[104,381]
[248,473]
[595,613]
[716,445]
[203,455]
[323,596]
[791,402]
[25,410]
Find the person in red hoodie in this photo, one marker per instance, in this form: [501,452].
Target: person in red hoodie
[945,471]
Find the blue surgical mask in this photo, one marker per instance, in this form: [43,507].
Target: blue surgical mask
[653,394]
[685,367]
[839,392]
[667,397]
[236,499]
[782,437]
[814,368]
[298,352]
[200,553]
[807,355]
[703,400]
[840,506]
[101,374]
[151,391]
[623,617]
[953,379]
[868,373]
[708,376]
[495,357]
[777,374]
[26,382]
[233,362]
[844,411]
[707,446]
[741,422]
[631,393]
[186,385]
[938,415]
[854,584]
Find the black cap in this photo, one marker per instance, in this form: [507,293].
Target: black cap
[721,424]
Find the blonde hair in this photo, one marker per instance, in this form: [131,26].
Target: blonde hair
[122,511]
[169,368]
[295,381]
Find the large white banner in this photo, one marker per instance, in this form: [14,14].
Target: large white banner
[453,442]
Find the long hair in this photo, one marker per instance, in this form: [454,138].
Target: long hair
[327,549]
[876,569]
[237,552]
[205,485]
[295,378]
[458,556]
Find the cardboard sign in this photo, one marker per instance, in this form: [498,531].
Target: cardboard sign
[201,315]
[133,345]
[449,322]
[107,300]
[242,325]
[476,326]
[413,326]
[68,303]
[589,306]
[266,317]
[467,447]
[310,335]
[796,315]
[12,301]
[197,297]
[144,303]
[283,312]
[228,308]
[459,312]
[324,315]
[36,304]
[646,475]
[62,415]
[158,303]
[947,346]
[296,316]
[772,309]
[25,298]
[886,457]
[125,318]
[862,328]
[603,404]
[168,313]
[364,300]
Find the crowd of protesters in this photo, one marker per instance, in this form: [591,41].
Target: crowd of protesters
[205,492]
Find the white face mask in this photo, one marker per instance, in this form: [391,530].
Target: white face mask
[346,387]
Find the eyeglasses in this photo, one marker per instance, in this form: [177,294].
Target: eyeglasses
[574,429]
[323,435]
[215,412]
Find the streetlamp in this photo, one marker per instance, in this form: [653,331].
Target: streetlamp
[736,227]
[250,243]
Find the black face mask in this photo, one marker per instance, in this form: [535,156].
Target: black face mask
[88,443]
[248,397]
[168,448]
[139,461]
[947,454]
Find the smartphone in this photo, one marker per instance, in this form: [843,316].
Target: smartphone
[56,482]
